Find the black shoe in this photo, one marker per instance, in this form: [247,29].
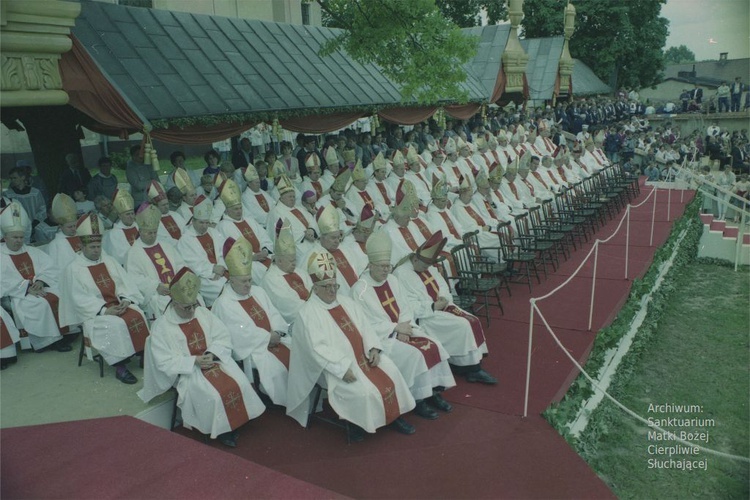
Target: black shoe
[125,376]
[62,346]
[6,362]
[69,338]
[403,427]
[481,377]
[356,434]
[438,402]
[423,410]
[227,439]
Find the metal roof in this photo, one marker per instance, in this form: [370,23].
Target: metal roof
[585,82]
[176,64]
[541,70]
[486,63]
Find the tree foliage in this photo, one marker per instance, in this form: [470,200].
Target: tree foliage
[677,55]
[467,13]
[411,41]
[620,41]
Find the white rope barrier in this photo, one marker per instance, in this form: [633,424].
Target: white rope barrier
[673,436]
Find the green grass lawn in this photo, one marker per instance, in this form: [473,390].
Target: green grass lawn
[700,356]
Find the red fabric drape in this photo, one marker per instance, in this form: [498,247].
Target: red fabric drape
[201,134]
[320,123]
[499,89]
[406,115]
[92,94]
[463,111]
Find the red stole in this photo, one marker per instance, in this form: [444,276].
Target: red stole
[561,171]
[583,166]
[135,323]
[260,318]
[25,267]
[449,223]
[366,198]
[408,238]
[75,243]
[247,232]
[161,263]
[131,234]
[262,202]
[375,375]
[249,235]
[207,243]
[552,176]
[496,156]
[231,395]
[318,187]
[300,217]
[507,157]
[342,264]
[383,192]
[171,226]
[476,325]
[488,207]
[5,339]
[474,169]
[457,172]
[513,190]
[550,145]
[474,215]
[538,153]
[499,195]
[428,280]
[540,179]
[296,283]
[529,185]
[427,348]
[422,228]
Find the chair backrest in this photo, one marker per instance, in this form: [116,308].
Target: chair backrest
[471,242]
[462,261]
[505,238]
[522,225]
[535,217]
[548,209]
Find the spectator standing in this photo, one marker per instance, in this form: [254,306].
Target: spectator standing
[74,176]
[139,175]
[736,94]
[103,183]
[722,94]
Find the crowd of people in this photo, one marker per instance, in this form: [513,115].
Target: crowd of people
[322,267]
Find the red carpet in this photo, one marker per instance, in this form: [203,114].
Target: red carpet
[484,449]
[123,457]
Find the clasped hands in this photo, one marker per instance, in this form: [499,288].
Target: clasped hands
[119,309]
[205,361]
[37,289]
[440,304]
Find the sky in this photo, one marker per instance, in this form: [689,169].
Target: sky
[709,27]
